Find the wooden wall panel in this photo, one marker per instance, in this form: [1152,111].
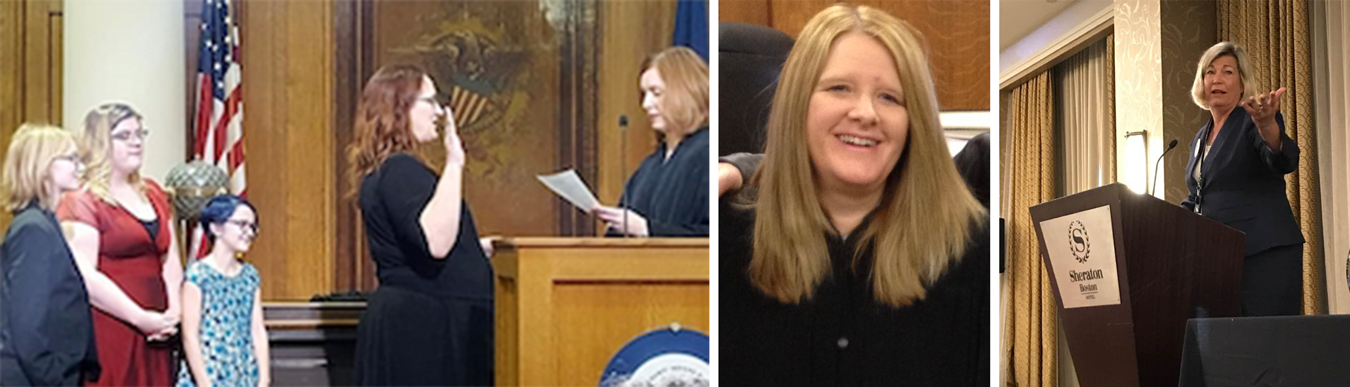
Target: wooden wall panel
[38,66]
[745,11]
[957,32]
[630,31]
[30,68]
[287,54]
[56,55]
[11,69]
[192,33]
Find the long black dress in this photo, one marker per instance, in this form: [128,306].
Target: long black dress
[672,193]
[842,336]
[430,321]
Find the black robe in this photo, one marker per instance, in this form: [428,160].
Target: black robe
[673,193]
[842,336]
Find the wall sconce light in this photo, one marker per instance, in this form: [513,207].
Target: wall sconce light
[1135,164]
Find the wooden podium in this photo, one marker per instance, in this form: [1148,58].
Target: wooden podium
[1170,264]
[566,305]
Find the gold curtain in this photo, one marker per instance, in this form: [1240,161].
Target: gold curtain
[1111,104]
[1277,36]
[1027,177]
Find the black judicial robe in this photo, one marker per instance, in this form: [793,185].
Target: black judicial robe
[673,193]
[842,336]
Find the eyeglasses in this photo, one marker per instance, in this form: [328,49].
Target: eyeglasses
[125,136]
[245,225]
[435,102]
[73,158]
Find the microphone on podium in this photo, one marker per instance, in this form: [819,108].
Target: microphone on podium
[623,167]
[1170,145]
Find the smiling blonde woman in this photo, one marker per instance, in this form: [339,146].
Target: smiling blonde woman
[856,255]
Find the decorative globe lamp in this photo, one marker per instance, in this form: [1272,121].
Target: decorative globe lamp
[190,187]
[193,184]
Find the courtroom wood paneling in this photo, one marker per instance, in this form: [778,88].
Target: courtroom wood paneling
[355,270]
[192,32]
[30,68]
[745,11]
[630,31]
[11,70]
[287,51]
[37,62]
[310,126]
[56,57]
[588,297]
[957,32]
[611,310]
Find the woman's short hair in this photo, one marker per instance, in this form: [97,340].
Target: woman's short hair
[96,142]
[924,220]
[1215,52]
[28,165]
[685,103]
[219,210]
[382,126]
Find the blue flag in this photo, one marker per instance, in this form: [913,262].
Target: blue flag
[691,26]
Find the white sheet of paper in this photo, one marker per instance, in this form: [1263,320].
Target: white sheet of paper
[570,187]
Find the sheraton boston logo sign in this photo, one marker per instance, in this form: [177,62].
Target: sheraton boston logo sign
[1078,241]
[1080,248]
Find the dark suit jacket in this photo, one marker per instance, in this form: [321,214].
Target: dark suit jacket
[1243,182]
[46,326]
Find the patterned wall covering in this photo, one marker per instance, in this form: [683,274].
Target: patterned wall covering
[1157,46]
[1188,30]
[1138,69]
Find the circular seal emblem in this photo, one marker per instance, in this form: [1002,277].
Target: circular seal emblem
[1078,241]
[664,357]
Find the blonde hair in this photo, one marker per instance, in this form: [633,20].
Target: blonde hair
[924,219]
[96,144]
[685,102]
[1215,52]
[27,166]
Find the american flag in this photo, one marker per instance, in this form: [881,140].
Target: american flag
[219,137]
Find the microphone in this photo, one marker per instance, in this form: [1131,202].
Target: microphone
[623,167]
[1170,145]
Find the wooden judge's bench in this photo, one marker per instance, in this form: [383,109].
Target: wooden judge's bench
[564,307]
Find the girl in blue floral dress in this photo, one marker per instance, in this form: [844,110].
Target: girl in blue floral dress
[224,341]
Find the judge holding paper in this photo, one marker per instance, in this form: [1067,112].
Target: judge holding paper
[1236,176]
[668,195]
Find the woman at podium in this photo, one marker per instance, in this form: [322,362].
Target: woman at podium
[856,255]
[430,321]
[1236,176]
[668,195]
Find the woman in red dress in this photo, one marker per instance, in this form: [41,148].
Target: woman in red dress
[119,229]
